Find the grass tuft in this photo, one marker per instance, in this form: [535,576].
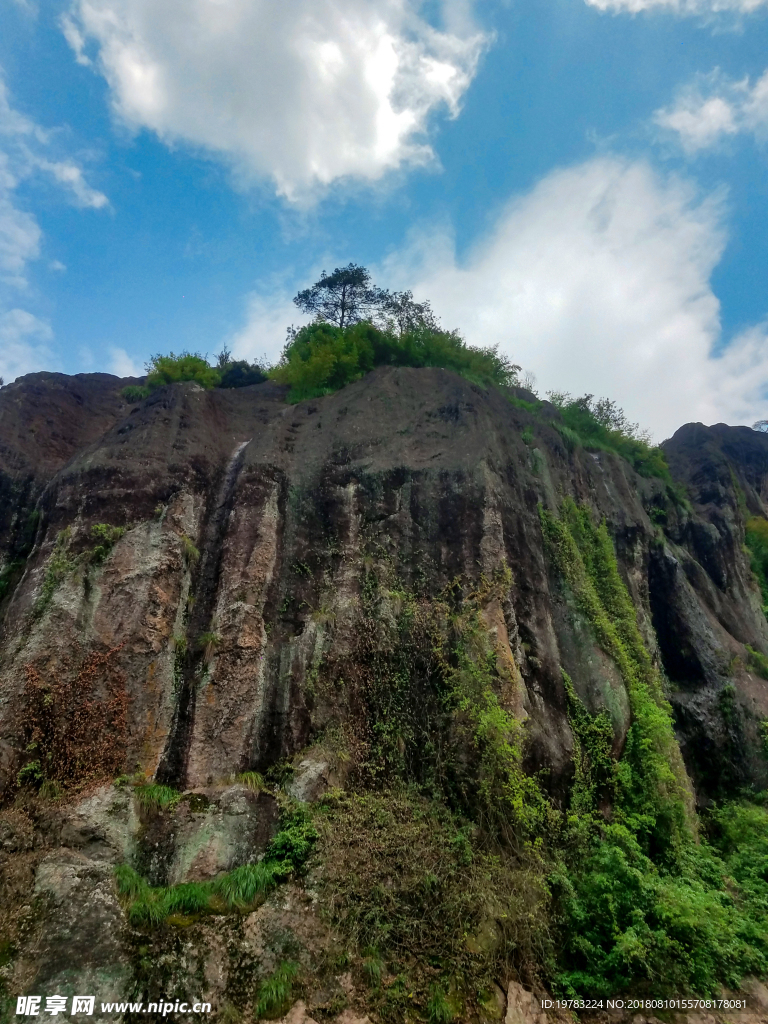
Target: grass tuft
[154,797]
[253,780]
[276,990]
[241,887]
[237,890]
[190,552]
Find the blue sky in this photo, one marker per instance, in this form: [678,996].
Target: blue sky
[581,182]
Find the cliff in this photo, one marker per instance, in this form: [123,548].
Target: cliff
[226,602]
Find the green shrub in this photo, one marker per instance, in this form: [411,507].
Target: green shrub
[293,844]
[321,358]
[237,373]
[30,775]
[738,832]
[172,369]
[136,392]
[107,536]
[757,662]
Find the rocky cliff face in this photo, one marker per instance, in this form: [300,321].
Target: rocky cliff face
[183,585]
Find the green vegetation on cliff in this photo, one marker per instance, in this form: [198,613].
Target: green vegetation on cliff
[653,791]
[432,862]
[448,863]
[602,426]
[192,366]
[359,326]
[321,358]
[238,889]
[427,897]
[641,898]
[756,537]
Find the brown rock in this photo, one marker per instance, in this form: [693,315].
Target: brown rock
[523,1007]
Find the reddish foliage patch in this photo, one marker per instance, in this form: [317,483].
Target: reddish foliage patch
[75,724]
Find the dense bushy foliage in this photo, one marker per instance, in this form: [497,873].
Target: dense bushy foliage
[321,358]
[239,373]
[173,368]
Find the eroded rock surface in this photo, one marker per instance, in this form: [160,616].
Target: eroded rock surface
[213,633]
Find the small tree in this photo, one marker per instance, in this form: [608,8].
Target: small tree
[399,313]
[343,298]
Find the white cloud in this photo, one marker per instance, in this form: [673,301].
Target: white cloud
[714,106]
[24,344]
[598,281]
[71,176]
[19,239]
[268,317]
[699,7]
[74,37]
[25,150]
[122,365]
[302,92]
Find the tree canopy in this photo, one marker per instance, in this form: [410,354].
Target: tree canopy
[343,298]
[348,296]
[400,313]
